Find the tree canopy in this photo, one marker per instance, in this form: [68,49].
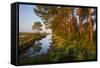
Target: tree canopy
[37,26]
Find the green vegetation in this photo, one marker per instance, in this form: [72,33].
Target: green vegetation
[27,39]
[66,49]
[37,47]
[72,38]
[37,26]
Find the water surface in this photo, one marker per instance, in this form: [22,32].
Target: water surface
[38,48]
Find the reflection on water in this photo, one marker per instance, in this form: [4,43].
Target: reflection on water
[46,42]
[38,48]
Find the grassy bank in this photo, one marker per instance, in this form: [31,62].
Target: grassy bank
[26,39]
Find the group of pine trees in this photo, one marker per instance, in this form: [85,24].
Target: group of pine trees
[64,19]
[73,31]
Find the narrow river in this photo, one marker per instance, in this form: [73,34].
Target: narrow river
[41,47]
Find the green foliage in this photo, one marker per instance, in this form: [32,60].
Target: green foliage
[37,26]
[66,45]
[74,49]
[37,47]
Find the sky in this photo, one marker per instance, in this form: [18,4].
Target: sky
[27,17]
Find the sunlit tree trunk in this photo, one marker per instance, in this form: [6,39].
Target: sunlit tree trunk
[72,24]
[90,26]
[67,24]
[80,23]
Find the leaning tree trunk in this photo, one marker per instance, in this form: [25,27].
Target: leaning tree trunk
[90,26]
[80,23]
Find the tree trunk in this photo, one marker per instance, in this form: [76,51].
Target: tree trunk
[72,24]
[90,26]
[80,23]
[66,26]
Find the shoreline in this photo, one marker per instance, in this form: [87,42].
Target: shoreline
[29,42]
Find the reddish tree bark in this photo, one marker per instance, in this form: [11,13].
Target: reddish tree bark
[80,23]
[72,24]
[90,26]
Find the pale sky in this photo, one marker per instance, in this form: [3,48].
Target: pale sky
[27,17]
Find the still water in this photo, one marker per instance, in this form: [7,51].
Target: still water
[41,47]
